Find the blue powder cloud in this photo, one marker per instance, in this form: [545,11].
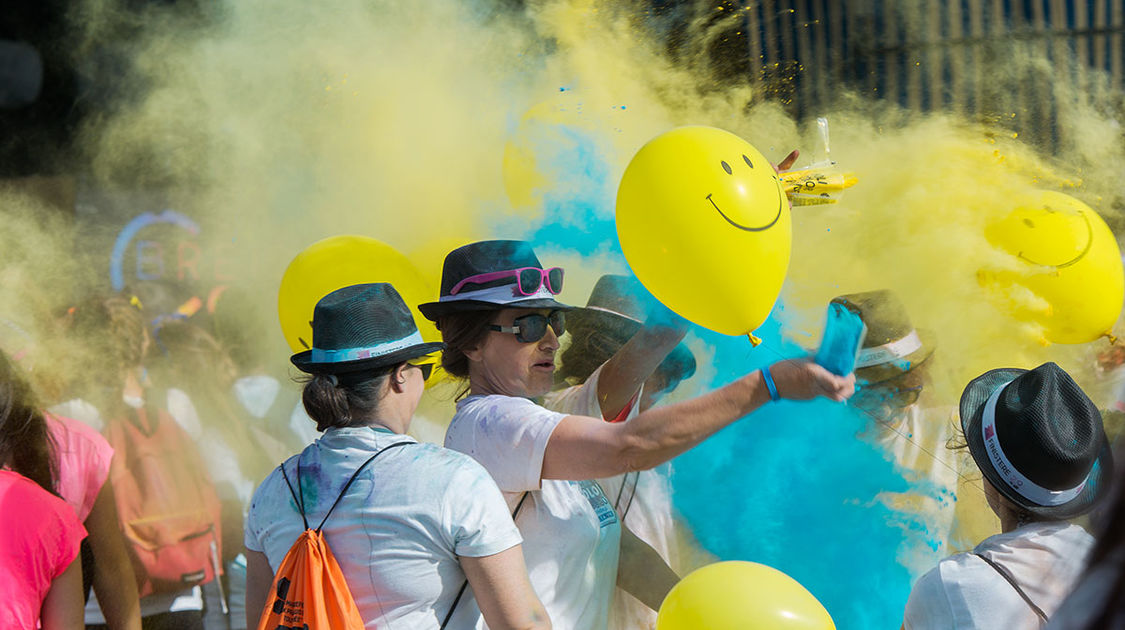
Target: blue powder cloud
[791,486]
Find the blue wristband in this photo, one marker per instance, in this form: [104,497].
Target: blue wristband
[770,385]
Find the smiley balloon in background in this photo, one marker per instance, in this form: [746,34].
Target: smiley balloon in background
[341,261]
[1065,255]
[705,225]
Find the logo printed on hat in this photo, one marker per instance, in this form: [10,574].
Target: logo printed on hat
[1016,479]
[1038,439]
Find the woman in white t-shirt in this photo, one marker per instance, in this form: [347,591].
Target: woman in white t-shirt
[500,323]
[419,521]
[1040,446]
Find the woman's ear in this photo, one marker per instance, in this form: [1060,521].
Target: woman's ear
[397,379]
[472,354]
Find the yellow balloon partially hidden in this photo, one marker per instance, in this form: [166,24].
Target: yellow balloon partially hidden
[737,595]
[1069,261]
[341,261]
[704,223]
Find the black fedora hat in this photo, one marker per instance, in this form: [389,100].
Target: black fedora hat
[362,327]
[892,346]
[616,307]
[493,275]
[1038,439]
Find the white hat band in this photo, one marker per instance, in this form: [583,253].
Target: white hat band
[503,294]
[370,352]
[889,352]
[612,312]
[1025,487]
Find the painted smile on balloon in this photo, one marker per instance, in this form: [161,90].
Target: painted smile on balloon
[1080,256]
[767,226]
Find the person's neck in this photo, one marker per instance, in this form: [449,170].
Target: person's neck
[1010,521]
[390,424]
[480,386]
[396,421]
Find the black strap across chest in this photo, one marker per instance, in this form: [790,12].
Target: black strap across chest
[1011,580]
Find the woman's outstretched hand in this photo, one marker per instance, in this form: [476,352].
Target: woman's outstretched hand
[799,379]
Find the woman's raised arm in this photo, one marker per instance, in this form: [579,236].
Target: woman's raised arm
[589,448]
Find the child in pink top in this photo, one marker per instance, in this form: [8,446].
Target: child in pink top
[82,456]
[39,538]
[65,457]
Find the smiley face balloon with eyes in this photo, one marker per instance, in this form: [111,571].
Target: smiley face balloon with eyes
[1066,256]
[704,223]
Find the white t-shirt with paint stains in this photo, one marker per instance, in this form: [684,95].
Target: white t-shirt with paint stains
[572,538]
[398,531]
[643,499]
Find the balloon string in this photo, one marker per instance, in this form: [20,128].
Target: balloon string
[968,482]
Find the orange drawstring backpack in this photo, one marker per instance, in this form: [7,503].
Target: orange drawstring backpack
[309,591]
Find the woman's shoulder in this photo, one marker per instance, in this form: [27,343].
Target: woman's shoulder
[1056,537]
[279,472]
[497,406]
[74,435]
[35,503]
[446,460]
[81,410]
[422,461]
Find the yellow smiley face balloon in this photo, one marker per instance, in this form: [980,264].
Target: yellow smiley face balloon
[341,261]
[1065,255]
[704,223]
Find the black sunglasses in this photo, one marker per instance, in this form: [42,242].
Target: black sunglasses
[427,369]
[532,328]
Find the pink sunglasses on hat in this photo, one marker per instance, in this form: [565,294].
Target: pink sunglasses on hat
[528,279]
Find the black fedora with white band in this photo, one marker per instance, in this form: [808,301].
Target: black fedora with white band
[493,275]
[892,346]
[1038,439]
[362,327]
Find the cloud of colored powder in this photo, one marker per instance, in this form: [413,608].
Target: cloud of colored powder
[277,123]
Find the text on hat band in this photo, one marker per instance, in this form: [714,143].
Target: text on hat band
[889,352]
[1025,487]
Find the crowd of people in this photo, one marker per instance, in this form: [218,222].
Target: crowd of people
[164,485]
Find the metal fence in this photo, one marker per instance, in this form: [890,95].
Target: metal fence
[1017,61]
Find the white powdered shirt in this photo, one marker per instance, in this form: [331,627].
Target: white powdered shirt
[964,591]
[398,531]
[643,498]
[571,534]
